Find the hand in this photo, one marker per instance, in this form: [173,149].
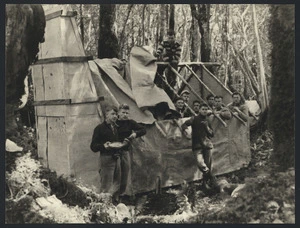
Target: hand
[106,145]
[126,142]
[236,109]
[186,133]
[132,136]
[174,61]
[204,122]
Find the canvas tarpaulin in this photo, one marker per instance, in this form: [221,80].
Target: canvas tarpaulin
[164,151]
[140,94]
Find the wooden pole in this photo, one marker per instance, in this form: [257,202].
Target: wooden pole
[195,93]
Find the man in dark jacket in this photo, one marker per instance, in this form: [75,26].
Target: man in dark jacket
[201,144]
[115,161]
[104,134]
[128,130]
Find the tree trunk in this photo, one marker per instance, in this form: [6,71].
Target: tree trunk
[195,36]
[282,103]
[122,35]
[143,24]
[202,14]
[81,22]
[185,50]
[108,46]
[24,30]
[226,46]
[264,93]
[162,23]
[172,17]
[203,21]
[167,15]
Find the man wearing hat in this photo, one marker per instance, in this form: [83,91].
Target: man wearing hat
[185,95]
[169,51]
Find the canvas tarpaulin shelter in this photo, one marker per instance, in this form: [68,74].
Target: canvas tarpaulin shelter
[165,152]
[67,91]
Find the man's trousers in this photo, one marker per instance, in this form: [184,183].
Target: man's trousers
[204,159]
[114,173]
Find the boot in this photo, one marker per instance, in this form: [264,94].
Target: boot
[210,179]
[205,181]
[115,199]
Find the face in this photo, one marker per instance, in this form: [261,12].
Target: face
[179,104]
[123,114]
[211,101]
[203,111]
[111,116]
[236,99]
[196,107]
[185,97]
[218,102]
[171,38]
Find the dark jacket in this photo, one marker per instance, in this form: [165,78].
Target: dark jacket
[102,134]
[127,127]
[199,130]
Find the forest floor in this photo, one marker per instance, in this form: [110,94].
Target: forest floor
[254,194]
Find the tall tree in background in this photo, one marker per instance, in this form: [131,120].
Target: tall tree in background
[282,105]
[81,22]
[163,22]
[172,17]
[201,12]
[108,46]
[264,94]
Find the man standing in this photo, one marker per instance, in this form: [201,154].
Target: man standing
[169,51]
[238,106]
[201,144]
[128,130]
[196,106]
[220,109]
[103,136]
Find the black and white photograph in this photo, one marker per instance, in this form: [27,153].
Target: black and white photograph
[149,113]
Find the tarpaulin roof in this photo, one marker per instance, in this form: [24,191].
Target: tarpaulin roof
[140,94]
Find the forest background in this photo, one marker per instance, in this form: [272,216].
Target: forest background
[233,35]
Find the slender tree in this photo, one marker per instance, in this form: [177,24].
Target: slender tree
[264,94]
[172,17]
[81,22]
[108,46]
